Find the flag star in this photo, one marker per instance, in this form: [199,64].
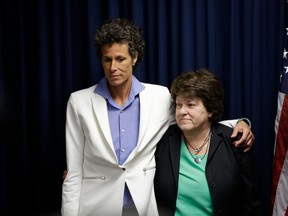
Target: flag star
[286,69]
[285,53]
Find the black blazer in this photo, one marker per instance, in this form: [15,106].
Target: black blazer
[229,172]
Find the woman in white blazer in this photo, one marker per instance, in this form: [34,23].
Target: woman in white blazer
[112,129]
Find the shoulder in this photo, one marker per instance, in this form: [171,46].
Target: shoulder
[158,94]
[84,91]
[158,88]
[222,130]
[171,136]
[222,134]
[82,97]
[172,132]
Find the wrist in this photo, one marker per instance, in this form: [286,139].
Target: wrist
[246,120]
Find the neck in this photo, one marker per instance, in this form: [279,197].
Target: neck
[197,143]
[196,137]
[120,94]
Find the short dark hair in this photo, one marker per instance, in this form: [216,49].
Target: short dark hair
[202,84]
[120,31]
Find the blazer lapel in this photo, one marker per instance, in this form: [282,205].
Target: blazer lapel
[175,145]
[214,144]
[101,113]
[145,106]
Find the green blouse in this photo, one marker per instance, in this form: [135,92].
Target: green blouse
[193,196]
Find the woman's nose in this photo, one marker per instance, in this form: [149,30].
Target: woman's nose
[113,65]
[183,110]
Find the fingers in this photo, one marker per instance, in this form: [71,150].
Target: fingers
[246,141]
[243,139]
[249,142]
[247,136]
[236,132]
[241,127]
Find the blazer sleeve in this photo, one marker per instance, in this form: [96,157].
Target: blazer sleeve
[231,176]
[74,153]
[251,196]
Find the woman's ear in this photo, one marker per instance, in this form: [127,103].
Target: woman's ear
[135,60]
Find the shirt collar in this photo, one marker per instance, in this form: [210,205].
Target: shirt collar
[103,90]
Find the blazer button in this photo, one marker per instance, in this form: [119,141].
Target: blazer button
[213,185]
[123,168]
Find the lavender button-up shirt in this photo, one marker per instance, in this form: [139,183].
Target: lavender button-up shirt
[124,123]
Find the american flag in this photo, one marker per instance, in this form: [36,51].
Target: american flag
[279,193]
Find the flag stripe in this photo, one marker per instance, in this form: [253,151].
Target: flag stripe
[282,132]
[279,190]
[280,169]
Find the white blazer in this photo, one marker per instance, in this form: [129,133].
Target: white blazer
[95,182]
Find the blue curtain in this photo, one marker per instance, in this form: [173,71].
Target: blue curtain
[46,52]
